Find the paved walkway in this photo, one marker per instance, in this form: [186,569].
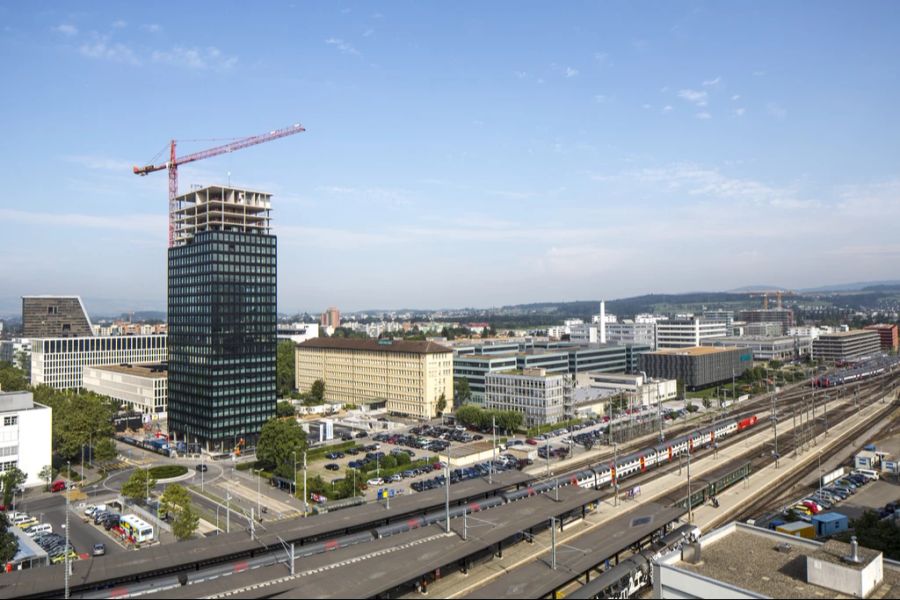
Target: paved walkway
[730,501]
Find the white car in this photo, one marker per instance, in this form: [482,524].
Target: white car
[376,481]
[90,508]
[396,477]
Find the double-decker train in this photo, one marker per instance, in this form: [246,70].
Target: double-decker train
[862,370]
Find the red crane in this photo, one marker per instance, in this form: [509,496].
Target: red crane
[174,161]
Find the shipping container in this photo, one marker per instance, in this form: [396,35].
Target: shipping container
[798,529]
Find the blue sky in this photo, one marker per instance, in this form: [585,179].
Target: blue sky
[466,154]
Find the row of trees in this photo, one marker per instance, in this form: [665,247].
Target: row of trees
[507,421]
[176,499]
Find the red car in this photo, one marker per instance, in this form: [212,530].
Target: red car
[531,442]
[58,486]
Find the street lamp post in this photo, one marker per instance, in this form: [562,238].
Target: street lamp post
[616,472]
[305,503]
[66,555]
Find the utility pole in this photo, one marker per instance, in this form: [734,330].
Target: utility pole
[826,414]
[447,493]
[690,500]
[616,472]
[305,503]
[493,451]
[775,429]
[547,455]
[794,428]
[553,543]
[66,558]
[227,512]
[294,491]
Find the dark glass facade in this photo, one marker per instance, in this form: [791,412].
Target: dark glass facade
[222,337]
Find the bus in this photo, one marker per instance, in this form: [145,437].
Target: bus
[136,528]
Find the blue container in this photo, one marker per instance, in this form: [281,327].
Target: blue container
[830,523]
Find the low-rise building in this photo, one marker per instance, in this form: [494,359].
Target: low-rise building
[846,345]
[697,367]
[60,362]
[25,435]
[887,334]
[474,368]
[142,388]
[741,561]
[688,332]
[536,393]
[763,328]
[410,377]
[646,391]
[632,332]
[783,348]
[298,332]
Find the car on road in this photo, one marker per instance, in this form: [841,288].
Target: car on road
[375,481]
[201,468]
[58,486]
[99,549]
[333,467]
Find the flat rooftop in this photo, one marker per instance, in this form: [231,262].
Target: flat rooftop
[149,370]
[851,333]
[484,357]
[404,346]
[694,351]
[748,558]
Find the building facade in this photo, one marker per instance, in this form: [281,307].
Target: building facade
[846,345]
[697,367]
[222,317]
[142,388]
[16,351]
[60,362]
[25,435]
[783,348]
[688,333]
[785,316]
[474,368]
[409,376]
[539,395]
[630,332]
[331,318]
[55,317]
[887,333]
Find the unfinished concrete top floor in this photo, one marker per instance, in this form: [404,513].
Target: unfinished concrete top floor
[221,208]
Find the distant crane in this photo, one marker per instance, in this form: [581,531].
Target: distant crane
[174,161]
[765,296]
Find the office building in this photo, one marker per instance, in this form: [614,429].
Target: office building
[631,332]
[552,361]
[474,368]
[410,377]
[697,367]
[17,351]
[610,358]
[331,318]
[720,315]
[784,348]
[60,362]
[298,332]
[55,317]
[141,388]
[785,316]
[25,435]
[646,391]
[847,345]
[742,561]
[888,336]
[688,332]
[222,319]
[536,393]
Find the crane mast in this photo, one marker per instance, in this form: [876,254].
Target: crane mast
[174,161]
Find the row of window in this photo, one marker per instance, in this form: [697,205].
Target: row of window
[10,420]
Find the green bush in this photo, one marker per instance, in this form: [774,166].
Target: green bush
[168,471]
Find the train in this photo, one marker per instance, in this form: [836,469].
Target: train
[858,372]
[627,578]
[603,474]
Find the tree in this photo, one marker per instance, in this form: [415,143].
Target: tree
[462,393]
[284,409]
[279,439]
[138,485]
[12,378]
[46,474]
[441,403]
[468,415]
[9,543]
[79,419]
[285,364]
[176,497]
[105,450]
[317,391]
[11,480]
[186,522]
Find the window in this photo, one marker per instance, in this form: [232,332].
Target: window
[8,421]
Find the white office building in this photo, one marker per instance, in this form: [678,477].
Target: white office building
[60,362]
[25,435]
[298,332]
[539,396]
[688,332]
[142,388]
[645,391]
[631,332]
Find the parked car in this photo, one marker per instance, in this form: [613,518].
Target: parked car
[375,481]
[58,486]
[99,549]
[333,467]
[361,435]
[396,477]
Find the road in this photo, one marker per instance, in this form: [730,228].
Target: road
[83,536]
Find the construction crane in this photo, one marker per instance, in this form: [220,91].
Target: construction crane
[765,296]
[174,161]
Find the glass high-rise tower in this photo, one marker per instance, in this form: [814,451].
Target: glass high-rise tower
[222,318]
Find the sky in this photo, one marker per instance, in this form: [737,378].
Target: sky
[458,154]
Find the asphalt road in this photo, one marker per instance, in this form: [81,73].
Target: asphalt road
[82,536]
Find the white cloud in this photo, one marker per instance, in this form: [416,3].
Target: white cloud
[736,97]
[151,28]
[602,58]
[119,24]
[667,108]
[520,74]
[368,32]
[759,73]
[570,72]
[195,58]
[343,46]
[697,97]
[100,163]
[703,115]
[712,82]
[150,224]
[100,48]
[739,112]
[646,106]
[600,98]
[66,29]
[776,110]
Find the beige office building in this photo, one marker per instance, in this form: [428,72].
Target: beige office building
[409,376]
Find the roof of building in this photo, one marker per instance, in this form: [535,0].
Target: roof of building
[485,357]
[406,346]
[694,351]
[881,326]
[151,370]
[843,334]
[829,517]
[776,573]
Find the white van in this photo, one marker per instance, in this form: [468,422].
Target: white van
[868,474]
[20,518]
[41,528]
